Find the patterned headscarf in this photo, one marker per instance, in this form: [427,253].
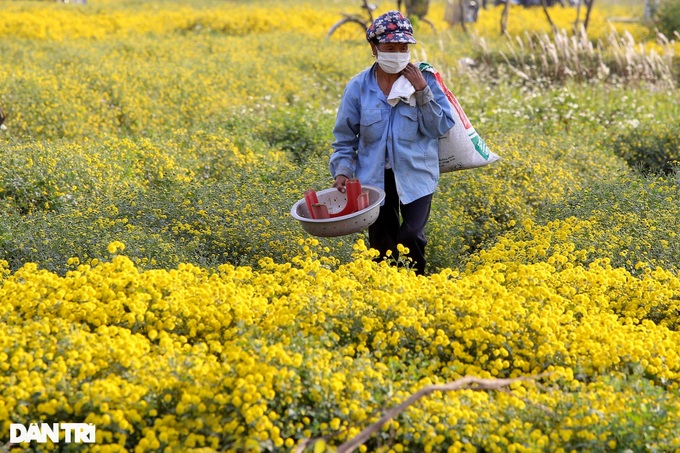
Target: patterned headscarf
[391,27]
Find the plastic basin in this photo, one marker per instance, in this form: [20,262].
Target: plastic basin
[336,201]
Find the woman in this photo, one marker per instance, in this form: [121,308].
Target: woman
[388,138]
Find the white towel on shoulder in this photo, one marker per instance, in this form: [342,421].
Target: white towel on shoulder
[402,90]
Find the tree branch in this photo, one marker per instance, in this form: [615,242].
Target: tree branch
[467,382]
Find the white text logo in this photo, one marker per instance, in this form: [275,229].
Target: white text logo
[73,433]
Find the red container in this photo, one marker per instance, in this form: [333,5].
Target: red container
[363,200]
[310,200]
[353,191]
[320,211]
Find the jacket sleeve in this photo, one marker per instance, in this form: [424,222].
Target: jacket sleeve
[434,117]
[346,132]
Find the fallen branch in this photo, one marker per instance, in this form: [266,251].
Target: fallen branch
[467,382]
[306,443]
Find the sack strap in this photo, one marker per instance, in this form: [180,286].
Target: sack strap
[424,66]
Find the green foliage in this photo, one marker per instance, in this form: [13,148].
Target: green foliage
[472,208]
[651,147]
[40,176]
[634,221]
[300,131]
[667,17]
[188,199]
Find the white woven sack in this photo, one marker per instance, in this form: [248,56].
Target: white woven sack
[462,147]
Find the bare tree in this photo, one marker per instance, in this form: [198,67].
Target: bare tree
[590,8]
[544,5]
[504,18]
[651,6]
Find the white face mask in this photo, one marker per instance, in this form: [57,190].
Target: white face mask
[393,62]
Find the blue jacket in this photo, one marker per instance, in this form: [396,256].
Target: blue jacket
[368,132]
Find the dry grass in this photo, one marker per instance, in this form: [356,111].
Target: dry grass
[562,56]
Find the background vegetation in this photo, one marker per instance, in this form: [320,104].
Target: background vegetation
[153,152]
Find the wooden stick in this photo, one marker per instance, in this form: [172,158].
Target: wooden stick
[467,382]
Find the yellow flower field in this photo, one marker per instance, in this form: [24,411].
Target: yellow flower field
[154,284]
[247,358]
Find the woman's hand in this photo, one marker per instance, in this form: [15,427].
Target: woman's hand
[415,76]
[340,181]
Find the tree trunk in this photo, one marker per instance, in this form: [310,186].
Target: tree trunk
[504,18]
[455,13]
[450,15]
[590,8]
[417,8]
[651,6]
[578,16]
[544,4]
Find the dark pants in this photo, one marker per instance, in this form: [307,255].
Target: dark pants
[387,231]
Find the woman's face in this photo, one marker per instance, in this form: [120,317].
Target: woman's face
[391,47]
